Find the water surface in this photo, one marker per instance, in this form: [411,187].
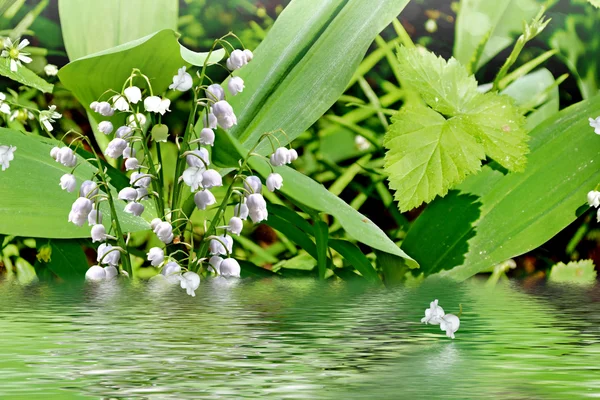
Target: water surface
[296,339]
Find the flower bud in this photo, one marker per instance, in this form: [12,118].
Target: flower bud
[154,223]
[257,207]
[156,256]
[68,182]
[134,208]
[235,85]
[292,155]
[182,81]
[593,198]
[98,233]
[224,113]
[203,199]
[105,127]
[88,189]
[94,106]
[115,148]
[235,225]
[54,153]
[133,94]
[207,137]
[211,178]
[274,182]
[95,274]
[230,268]
[80,210]
[214,93]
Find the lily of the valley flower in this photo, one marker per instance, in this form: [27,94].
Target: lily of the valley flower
[230,268]
[211,178]
[215,92]
[237,59]
[65,156]
[257,207]
[164,231]
[80,210]
[253,184]
[133,94]
[224,113]
[156,256]
[203,199]
[192,177]
[215,264]
[433,314]
[134,208]
[593,198]
[14,51]
[171,271]
[6,156]
[235,225]
[51,70]
[361,143]
[98,233]
[68,182]
[120,102]
[115,147]
[4,107]
[595,123]
[124,132]
[94,217]
[449,323]
[223,245]
[157,105]
[235,85]
[136,121]
[108,255]
[128,193]
[210,120]
[241,210]
[105,127]
[182,81]
[190,282]
[48,117]
[103,108]
[140,180]
[95,274]
[128,152]
[207,137]
[274,182]
[88,189]
[283,156]
[132,164]
[199,158]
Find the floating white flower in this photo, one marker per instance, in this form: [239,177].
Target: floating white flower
[253,184]
[203,199]
[107,254]
[171,271]
[14,51]
[88,189]
[190,282]
[235,85]
[68,182]
[6,156]
[593,198]
[66,157]
[241,210]
[237,59]
[51,70]
[115,148]
[257,207]
[214,93]
[215,263]
[98,233]
[134,208]
[449,323]
[133,94]
[433,314]
[164,231]
[140,180]
[235,225]
[48,117]
[95,274]
[230,268]
[222,245]
[156,256]
[120,102]
[224,113]
[192,177]
[80,210]
[207,137]
[595,123]
[274,182]
[182,81]
[105,127]
[211,178]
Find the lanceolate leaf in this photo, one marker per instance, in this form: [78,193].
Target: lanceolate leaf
[513,213]
[31,200]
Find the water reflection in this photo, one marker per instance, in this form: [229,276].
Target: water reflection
[295,339]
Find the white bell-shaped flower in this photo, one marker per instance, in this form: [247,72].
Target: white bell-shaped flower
[211,178]
[120,102]
[154,223]
[164,231]
[199,158]
[124,132]
[595,123]
[142,194]
[111,272]
[132,164]
[361,143]
[51,70]
[224,245]
[224,113]
[182,81]
[192,177]
[164,106]
[280,157]
[68,182]
[292,155]
[156,256]
[449,323]
[98,233]
[207,137]
[274,182]
[108,255]
[215,93]
[230,268]
[105,127]
[235,85]
[433,314]
[94,217]
[253,184]
[88,189]
[172,272]
[128,193]
[237,59]
[593,198]
[115,148]
[210,121]
[190,282]
[136,120]
[54,153]
[140,180]
[249,55]
[133,94]
[6,156]
[215,264]
[235,225]
[134,208]
[152,104]
[257,207]
[80,210]
[241,210]
[66,157]
[203,199]
[94,106]
[95,274]
[129,152]
[104,108]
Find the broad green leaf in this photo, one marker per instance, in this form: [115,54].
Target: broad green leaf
[428,154]
[513,213]
[502,20]
[304,64]
[25,76]
[293,233]
[445,86]
[89,27]
[356,258]
[66,259]
[32,202]
[578,272]
[304,190]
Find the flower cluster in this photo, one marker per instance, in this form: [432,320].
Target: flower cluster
[593,199]
[435,315]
